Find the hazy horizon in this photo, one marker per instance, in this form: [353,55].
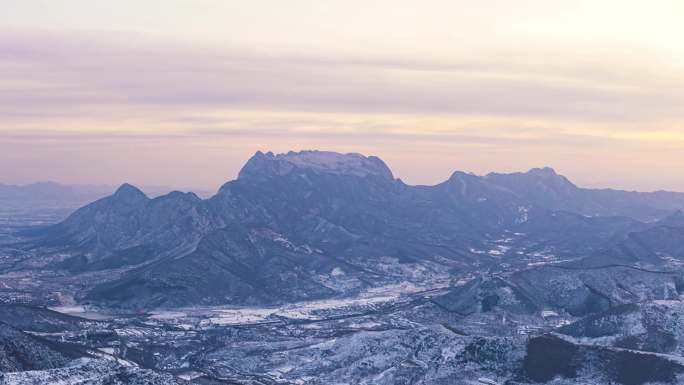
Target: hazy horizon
[181,93]
[209,189]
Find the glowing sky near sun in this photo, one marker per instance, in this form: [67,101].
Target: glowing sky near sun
[182,92]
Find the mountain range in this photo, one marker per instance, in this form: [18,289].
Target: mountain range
[312,225]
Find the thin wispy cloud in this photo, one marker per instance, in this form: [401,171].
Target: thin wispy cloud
[51,71]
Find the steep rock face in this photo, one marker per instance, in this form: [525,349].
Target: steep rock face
[281,198]
[262,166]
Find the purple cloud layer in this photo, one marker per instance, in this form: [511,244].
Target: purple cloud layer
[45,74]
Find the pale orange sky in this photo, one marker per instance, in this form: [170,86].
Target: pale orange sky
[182,92]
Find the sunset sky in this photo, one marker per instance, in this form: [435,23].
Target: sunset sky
[182,92]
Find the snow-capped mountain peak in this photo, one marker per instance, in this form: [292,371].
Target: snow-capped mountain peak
[268,164]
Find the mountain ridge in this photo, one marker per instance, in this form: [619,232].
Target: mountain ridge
[292,219]
[561,193]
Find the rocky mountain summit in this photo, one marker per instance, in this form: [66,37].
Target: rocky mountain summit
[263,166]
